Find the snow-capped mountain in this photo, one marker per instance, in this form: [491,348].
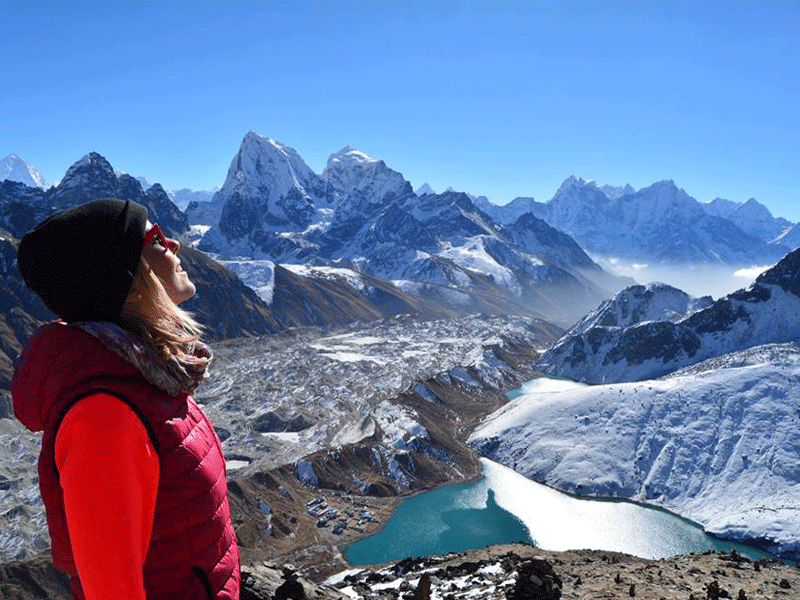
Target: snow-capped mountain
[444,241]
[362,187]
[363,181]
[90,178]
[617,191]
[222,302]
[425,188]
[717,443]
[766,312]
[363,215]
[14,168]
[508,213]
[93,177]
[752,217]
[269,188]
[578,206]
[641,303]
[184,196]
[659,224]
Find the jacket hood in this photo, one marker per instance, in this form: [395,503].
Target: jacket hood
[56,358]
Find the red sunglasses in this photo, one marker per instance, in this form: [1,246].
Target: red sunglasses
[155,234]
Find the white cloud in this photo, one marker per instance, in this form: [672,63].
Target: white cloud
[750,272]
[696,280]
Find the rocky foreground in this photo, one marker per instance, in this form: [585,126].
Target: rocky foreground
[507,572]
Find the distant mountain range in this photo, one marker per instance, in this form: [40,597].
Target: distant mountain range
[454,250]
[223,303]
[659,224]
[362,215]
[714,439]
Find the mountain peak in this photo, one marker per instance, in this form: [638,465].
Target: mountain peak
[352,172]
[425,188]
[14,168]
[350,157]
[613,192]
[256,143]
[93,161]
[572,182]
[664,184]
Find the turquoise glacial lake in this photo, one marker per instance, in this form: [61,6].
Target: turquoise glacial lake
[503,506]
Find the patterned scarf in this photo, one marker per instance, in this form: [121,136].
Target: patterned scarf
[176,377]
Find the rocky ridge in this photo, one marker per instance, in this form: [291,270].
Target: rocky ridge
[641,303]
[751,216]
[766,312]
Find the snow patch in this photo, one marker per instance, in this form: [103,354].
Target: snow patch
[258,275]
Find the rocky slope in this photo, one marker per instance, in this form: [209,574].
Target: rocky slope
[21,312]
[509,572]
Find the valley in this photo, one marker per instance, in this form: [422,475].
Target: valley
[365,336]
[357,416]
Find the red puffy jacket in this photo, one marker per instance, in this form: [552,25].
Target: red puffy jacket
[193,552]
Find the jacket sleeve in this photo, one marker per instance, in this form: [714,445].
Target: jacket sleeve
[109,474]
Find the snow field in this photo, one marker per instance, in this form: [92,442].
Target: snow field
[720,447]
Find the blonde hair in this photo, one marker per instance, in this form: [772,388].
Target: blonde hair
[158,321]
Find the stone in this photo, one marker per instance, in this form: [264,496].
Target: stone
[423,591]
[536,580]
[290,589]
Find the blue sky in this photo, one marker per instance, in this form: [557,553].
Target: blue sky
[495,98]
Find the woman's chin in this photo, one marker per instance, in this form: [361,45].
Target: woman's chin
[183,293]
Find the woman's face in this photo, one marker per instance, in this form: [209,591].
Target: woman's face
[161,254]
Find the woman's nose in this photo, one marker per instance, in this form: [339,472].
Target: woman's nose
[173,245]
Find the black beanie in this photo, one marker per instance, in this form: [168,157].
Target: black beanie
[82,261]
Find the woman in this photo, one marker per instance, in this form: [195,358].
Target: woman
[131,471]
